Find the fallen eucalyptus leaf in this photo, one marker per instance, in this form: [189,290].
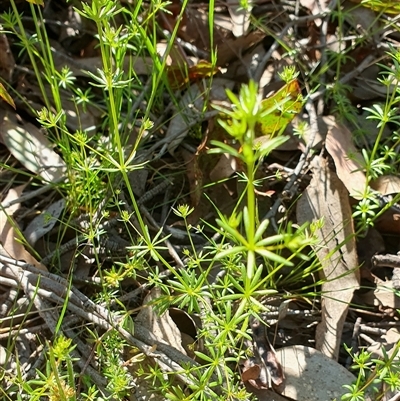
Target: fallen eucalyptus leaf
[326,198]
[31,148]
[10,238]
[43,223]
[311,376]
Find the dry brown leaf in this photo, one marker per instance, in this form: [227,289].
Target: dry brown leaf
[225,167]
[163,327]
[386,184]
[389,223]
[310,375]
[231,49]
[250,371]
[366,85]
[326,198]
[31,148]
[383,296]
[10,238]
[348,160]
[44,222]
[7,62]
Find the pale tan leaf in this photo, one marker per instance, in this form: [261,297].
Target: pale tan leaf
[44,222]
[162,326]
[348,160]
[32,149]
[383,296]
[386,184]
[240,17]
[10,238]
[326,198]
[226,166]
[310,375]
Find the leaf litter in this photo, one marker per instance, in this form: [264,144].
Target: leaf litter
[326,190]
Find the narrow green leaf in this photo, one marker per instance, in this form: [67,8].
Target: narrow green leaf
[227,252]
[273,256]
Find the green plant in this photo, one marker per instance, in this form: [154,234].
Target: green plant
[97,170]
[382,158]
[375,376]
[57,382]
[225,283]
[246,259]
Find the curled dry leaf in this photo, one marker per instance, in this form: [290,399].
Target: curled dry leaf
[31,148]
[10,237]
[348,160]
[264,356]
[250,371]
[326,199]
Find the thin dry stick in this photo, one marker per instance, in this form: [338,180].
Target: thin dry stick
[354,341]
[48,313]
[396,397]
[387,260]
[370,59]
[33,194]
[294,21]
[300,165]
[324,58]
[142,339]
